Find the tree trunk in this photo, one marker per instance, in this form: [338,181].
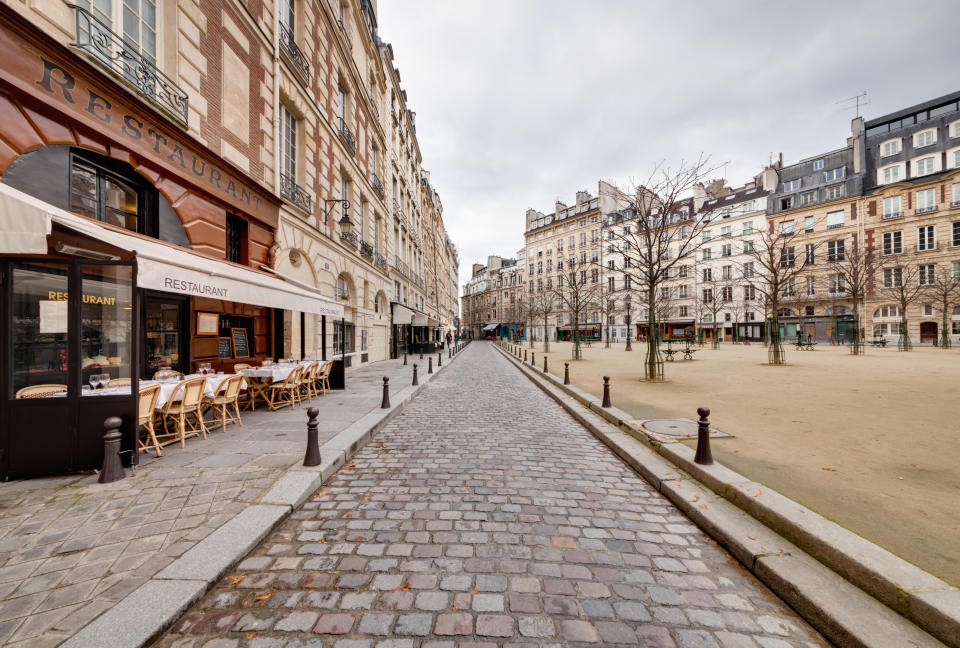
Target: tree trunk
[945,328]
[775,354]
[856,344]
[653,362]
[904,343]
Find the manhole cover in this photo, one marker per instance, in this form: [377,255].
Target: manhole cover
[678,428]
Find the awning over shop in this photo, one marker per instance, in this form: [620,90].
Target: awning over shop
[25,224]
[433,323]
[490,327]
[419,319]
[402,315]
[170,268]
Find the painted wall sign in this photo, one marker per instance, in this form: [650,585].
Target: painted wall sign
[52,79]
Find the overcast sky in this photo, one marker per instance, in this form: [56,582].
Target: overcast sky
[520,103]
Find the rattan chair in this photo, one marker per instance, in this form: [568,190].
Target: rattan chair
[308,380]
[146,403]
[226,396]
[166,374]
[323,378]
[39,391]
[179,411]
[286,392]
[240,366]
[118,382]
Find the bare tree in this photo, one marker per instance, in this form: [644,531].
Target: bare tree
[772,267]
[710,300]
[609,308]
[577,291]
[539,307]
[657,230]
[945,293]
[855,266]
[902,283]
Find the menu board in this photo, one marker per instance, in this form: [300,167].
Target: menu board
[224,347]
[240,348]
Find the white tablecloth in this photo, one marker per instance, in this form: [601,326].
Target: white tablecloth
[273,373]
[209,388]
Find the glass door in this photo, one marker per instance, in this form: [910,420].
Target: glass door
[165,321]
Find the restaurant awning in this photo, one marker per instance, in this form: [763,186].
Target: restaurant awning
[419,319]
[25,225]
[171,268]
[490,327]
[433,323]
[402,315]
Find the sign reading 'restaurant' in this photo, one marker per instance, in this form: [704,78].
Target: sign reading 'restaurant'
[191,288]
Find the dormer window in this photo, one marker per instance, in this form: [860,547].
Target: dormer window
[791,185]
[890,147]
[925,138]
[834,174]
[818,164]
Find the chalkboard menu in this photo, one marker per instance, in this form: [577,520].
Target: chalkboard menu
[224,344]
[240,348]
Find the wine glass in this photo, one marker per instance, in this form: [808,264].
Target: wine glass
[94,380]
[104,379]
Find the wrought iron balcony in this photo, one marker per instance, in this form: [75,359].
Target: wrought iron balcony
[346,136]
[350,239]
[377,185]
[366,250]
[295,56]
[400,266]
[123,60]
[380,261]
[296,194]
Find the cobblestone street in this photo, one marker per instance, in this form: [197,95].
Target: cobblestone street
[484,515]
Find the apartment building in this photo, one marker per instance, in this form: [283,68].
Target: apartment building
[493,300]
[912,196]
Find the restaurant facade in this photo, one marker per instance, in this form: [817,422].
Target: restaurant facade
[126,246]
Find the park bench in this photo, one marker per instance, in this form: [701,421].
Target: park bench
[879,342]
[805,345]
[671,352]
[688,353]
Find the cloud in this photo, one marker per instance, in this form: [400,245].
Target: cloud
[521,103]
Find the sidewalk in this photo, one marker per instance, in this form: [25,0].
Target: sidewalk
[71,548]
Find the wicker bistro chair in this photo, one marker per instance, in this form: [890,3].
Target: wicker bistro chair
[39,391]
[146,403]
[323,378]
[240,366]
[226,396]
[119,382]
[308,380]
[286,392]
[166,374]
[180,411]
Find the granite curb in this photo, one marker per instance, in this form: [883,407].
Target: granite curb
[853,591]
[154,606]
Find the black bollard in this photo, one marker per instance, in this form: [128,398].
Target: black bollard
[415,381]
[312,457]
[385,403]
[421,353]
[112,467]
[449,353]
[544,364]
[524,355]
[533,358]
[566,373]
[404,358]
[606,392]
[703,456]
[430,365]
[439,359]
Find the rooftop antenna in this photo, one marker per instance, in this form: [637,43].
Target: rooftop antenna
[857,101]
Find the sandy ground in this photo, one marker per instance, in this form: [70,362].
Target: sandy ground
[871,442]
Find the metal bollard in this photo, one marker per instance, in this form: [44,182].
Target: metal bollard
[703,455]
[312,457]
[544,364]
[449,353]
[415,381]
[430,365]
[385,403]
[112,467]
[566,373]
[524,355]
[404,358]
[533,358]
[421,353]
[439,359]
[606,392]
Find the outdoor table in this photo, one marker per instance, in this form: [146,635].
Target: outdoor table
[210,386]
[260,378]
[106,391]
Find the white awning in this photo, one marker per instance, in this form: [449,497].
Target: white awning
[402,314]
[171,268]
[24,223]
[433,323]
[490,327]
[419,319]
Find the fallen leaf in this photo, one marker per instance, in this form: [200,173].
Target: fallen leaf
[475,590]
[756,493]
[358,539]
[696,498]
[264,597]
[403,588]
[234,579]
[898,477]
[828,469]
[703,506]
[348,515]
[751,537]
[454,607]
[251,635]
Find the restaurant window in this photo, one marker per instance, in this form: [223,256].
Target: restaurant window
[236,239]
[106,323]
[165,318]
[39,327]
[343,333]
[99,190]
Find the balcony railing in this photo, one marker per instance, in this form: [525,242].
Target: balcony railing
[380,261]
[346,136]
[892,215]
[296,57]
[366,250]
[377,185]
[349,238]
[926,210]
[400,266]
[123,59]
[296,194]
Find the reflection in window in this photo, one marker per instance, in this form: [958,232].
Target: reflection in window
[39,329]
[98,194]
[106,316]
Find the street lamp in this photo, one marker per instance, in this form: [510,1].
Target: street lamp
[346,225]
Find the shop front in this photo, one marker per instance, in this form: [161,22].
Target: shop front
[401,319]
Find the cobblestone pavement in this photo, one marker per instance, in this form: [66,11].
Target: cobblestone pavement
[70,548]
[485,516]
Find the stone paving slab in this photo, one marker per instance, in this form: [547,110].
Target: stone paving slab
[71,548]
[484,515]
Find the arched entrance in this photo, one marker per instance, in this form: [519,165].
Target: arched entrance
[928,332]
